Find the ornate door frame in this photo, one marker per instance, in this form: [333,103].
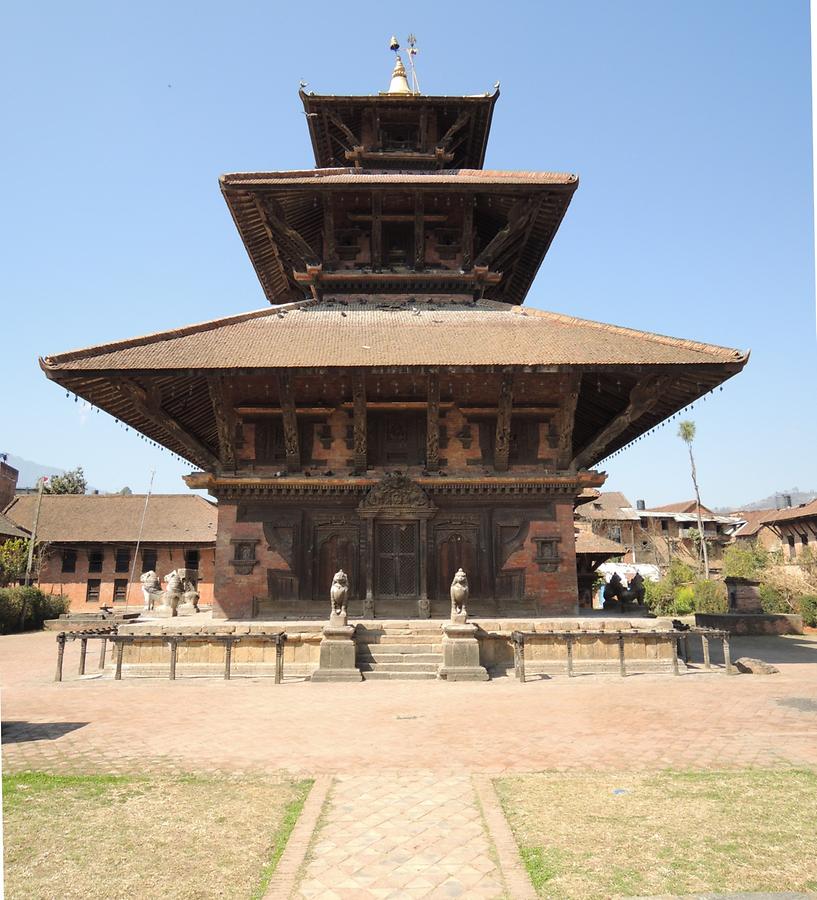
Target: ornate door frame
[394,499]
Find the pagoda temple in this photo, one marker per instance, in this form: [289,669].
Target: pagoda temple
[396,412]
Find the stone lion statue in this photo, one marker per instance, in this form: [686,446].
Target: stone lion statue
[459,594]
[339,592]
[151,588]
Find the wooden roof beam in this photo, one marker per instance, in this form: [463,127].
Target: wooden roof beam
[643,397]
[148,405]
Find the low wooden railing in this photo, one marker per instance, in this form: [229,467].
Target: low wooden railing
[521,638]
[173,640]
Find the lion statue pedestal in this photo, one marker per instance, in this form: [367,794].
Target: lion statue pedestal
[337,659]
[460,644]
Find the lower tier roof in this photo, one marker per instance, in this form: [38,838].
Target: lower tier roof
[165,385]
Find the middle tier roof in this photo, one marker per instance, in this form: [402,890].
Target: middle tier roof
[450,231]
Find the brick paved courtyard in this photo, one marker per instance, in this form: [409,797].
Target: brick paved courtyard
[416,745]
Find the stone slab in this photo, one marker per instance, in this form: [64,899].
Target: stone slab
[750,623]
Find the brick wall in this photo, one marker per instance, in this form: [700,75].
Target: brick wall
[74,585]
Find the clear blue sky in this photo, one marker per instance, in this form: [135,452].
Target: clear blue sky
[689,123]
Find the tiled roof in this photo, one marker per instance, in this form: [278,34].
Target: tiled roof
[587,542]
[754,521]
[685,506]
[445,332]
[805,511]
[608,505]
[9,530]
[99,518]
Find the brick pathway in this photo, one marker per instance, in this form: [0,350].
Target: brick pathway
[411,835]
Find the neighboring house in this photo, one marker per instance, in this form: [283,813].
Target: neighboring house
[660,534]
[610,515]
[10,531]
[755,530]
[671,530]
[795,527]
[91,542]
[8,482]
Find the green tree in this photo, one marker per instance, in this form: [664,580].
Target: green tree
[740,561]
[13,558]
[126,491]
[686,431]
[72,482]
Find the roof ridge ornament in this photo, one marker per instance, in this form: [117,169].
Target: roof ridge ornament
[399,80]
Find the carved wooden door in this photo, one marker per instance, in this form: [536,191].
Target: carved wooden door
[396,560]
[337,551]
[457,550]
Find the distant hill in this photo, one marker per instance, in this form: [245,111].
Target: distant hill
[31,471]
[777,501]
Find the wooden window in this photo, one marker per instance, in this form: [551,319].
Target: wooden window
[149,560]
[269,441]
[614,533]
[523,444]
[398,243]
[95,560]
[69,560]
[92,590]
[120,590]
[191,559]
[122,557]
[644,523]
[804,539]
[664,525]
[400,136]
[397,438]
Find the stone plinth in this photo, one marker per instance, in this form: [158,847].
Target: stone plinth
[337,656]
[749,623]
[461,654]
[744,595]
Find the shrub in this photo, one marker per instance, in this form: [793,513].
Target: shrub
[772,600]
[710,596]
[26,608]
[808,609]
[684,600]
[659,597]
[740,561]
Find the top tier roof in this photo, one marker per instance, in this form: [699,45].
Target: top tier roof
[340,124]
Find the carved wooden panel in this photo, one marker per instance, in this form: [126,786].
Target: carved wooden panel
[457,549]
[282,586]
[335,547]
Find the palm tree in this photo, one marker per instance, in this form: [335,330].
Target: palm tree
[686,431]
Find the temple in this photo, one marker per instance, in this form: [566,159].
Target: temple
[396,412]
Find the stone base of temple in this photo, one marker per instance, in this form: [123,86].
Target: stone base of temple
[412,646]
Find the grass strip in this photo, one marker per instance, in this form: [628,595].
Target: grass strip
[279,840]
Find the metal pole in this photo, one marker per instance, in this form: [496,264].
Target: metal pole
[139,538]
[40,484]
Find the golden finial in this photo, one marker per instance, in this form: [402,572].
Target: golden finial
[399,81]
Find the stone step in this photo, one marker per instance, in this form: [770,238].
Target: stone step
[405,640]
[377,675]
[402,667]
[377,657]
[399,648]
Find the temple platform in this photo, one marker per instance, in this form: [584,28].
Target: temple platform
[398,648]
